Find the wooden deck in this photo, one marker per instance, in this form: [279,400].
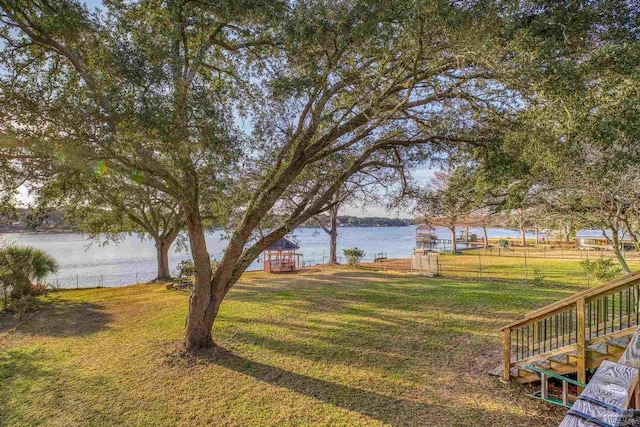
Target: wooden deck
[597,328]
[582,331]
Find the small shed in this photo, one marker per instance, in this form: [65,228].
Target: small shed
[281,257]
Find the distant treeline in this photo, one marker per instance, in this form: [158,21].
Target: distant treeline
[53,221]
[28,220]
[354,221]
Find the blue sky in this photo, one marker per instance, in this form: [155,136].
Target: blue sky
[93,3]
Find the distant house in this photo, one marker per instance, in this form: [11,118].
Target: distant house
[593,240]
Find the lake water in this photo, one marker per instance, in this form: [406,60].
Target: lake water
[89,265]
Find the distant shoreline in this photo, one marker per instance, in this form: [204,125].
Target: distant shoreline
[217,229]
[38,232]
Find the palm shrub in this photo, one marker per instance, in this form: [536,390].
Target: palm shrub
[354,256]
[20,267]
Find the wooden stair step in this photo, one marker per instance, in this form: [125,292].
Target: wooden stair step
[598,348]
[565,363]
[497,371]
[560,358]
[621,342]
[544,364]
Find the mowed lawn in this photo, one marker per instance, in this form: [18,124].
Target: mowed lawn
[320,348]
[550,270]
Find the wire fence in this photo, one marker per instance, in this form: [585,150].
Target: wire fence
[110,280]
[324,259]
[552,252]
[82,281]
[559,266]
[525,266]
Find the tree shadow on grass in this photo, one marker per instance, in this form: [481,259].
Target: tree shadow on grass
[366,273]
[15,362]
[15,366]
[494,303]
[37,387]
[63,319]
[395,411]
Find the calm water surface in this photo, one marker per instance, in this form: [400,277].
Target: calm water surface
[88,265]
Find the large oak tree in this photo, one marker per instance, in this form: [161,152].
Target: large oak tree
[259,114]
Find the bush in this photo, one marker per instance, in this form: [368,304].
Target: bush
[604,269]
[21,267]
[354,256]
[186,268]
[503,243]
[22,304]
[538,278]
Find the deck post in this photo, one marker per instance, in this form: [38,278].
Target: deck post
[580,343]
[506,371]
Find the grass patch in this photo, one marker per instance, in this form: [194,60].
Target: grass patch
[512,265]
[555,271]
[325,348]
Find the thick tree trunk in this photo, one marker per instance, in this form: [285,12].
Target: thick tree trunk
[537,236]
[486,238]
[454,247]
[333,236]
[162,249]
[569,230]
[203,305]
[615,242]
[523,238]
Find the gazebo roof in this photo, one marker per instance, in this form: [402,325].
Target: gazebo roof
[283,244]
[425,227]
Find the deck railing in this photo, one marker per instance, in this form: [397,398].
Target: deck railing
[585,318]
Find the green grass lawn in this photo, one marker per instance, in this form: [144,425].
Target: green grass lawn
[552,271]
[322,348]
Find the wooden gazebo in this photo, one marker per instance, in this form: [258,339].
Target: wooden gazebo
[281,257]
